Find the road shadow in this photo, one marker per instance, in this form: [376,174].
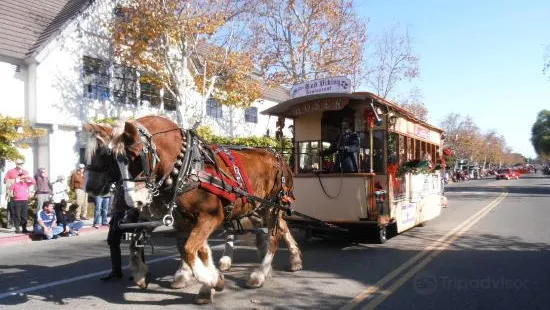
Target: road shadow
[536,189]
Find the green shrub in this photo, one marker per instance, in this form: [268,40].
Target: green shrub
[253,141]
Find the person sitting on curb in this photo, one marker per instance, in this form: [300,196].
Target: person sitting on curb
[46,222]
[71,227]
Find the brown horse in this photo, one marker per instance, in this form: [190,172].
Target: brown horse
[202,210]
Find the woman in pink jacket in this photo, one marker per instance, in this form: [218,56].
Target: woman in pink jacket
[21,193]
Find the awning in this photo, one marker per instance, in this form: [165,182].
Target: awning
[319,102]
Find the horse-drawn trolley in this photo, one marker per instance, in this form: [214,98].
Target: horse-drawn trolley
[361,163]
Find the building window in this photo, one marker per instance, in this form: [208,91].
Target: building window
[124,84]
[251,115]
[152,92]
[96,78]
[170,102]
[213,108]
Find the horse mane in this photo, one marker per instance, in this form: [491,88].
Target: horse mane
[117,143]
[95,139]
[92,144]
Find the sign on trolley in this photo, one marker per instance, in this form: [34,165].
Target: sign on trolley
[339,84]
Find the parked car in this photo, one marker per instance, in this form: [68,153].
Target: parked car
[507,174]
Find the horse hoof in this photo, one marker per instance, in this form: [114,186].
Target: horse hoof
[225,263]
[296,266]
[256,280]
[181,283]
[143,283]
[205,296]
[182,279]
[221,283]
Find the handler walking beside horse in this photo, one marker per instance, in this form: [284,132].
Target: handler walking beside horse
[114,238]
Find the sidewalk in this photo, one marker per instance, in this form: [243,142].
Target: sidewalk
[8,236]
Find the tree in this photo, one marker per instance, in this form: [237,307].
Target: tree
[301,40]
[391,62]
[13,132]
[540,133]
[185,44]
[463,136]
[492,148]
[414,103]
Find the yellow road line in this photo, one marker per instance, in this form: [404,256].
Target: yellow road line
[403,279]
[389,277]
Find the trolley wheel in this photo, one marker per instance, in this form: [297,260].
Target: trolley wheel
[382,235]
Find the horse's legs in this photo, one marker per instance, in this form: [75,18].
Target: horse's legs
[261,243]
[258,276]
[199,257]
[292,245]
[140,271]
[227,258]
[184,275]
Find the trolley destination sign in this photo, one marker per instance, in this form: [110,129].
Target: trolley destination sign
[320,105]
[339,84]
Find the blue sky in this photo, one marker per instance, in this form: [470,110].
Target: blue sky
[477,58]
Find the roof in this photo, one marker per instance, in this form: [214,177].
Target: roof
[283,108]
[273,93]
[26,26]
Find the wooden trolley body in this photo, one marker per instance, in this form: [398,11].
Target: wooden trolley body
[350,200]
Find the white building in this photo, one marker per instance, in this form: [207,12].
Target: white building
[55,71]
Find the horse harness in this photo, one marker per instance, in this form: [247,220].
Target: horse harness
[190,171]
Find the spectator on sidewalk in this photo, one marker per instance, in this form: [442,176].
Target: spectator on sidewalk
[9,180]
[102,204]
[60,190]
[43,188]
[45,224]
[77,185]
[71,226]
[21,193]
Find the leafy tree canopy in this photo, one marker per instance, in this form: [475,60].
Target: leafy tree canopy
[540,133]
[11,138]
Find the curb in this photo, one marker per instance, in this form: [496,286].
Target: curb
[24,239]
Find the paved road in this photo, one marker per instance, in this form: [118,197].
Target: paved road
[488,250]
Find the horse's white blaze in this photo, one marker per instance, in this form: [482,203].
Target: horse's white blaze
[131,195]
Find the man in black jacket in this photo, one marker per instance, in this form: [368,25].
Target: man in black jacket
[348,148]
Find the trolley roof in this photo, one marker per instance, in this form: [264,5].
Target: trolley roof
[283,109]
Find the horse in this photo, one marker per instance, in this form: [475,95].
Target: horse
[102,171]
[160,155]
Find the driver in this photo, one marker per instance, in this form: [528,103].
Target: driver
[348,147]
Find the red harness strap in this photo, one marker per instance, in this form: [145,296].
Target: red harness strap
[232,160]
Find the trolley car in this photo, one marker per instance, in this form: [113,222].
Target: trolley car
[394,183]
